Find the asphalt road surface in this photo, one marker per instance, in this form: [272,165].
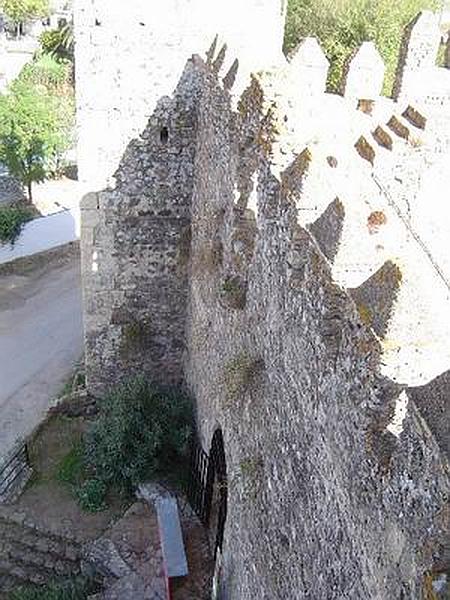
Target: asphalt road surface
[40,342]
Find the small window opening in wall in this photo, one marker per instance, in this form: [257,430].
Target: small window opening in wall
[164,135]
[97,22]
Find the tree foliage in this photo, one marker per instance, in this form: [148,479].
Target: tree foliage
[141,432]
[342,25]
[35,129]
[54,75]
[12,218]
[59,43]
[19,11]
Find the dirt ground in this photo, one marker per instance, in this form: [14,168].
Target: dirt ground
[130,526]
[51,503]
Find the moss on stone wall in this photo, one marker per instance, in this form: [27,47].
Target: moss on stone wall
[240,373]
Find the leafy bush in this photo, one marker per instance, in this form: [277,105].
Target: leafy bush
[48,72]
[141,432]
[74,589]
[342,25]
[59,43]
[12,219]
[92,495]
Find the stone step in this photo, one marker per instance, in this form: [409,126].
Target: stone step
[8,582]
[40,541]
[21,574]
[32,556]
[51,563]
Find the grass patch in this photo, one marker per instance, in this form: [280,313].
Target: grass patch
[71,469]
[12,219]
[73,589]
[50,445]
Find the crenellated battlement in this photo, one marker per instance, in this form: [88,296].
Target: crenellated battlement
[136,58]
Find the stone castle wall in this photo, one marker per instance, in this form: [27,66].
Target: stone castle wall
[318,443]
[274,256]
[317,507]
[135,246]
[127,60]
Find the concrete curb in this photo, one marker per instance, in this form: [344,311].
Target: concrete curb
[56,257]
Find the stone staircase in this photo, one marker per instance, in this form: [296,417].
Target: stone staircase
[29,555]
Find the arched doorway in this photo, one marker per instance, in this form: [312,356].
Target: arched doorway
[217,492]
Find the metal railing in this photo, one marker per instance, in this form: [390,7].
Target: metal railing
[12,467]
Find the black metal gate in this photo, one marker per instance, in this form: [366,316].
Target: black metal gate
[208,487]
[198,477]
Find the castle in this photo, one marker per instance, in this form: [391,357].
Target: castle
[282,253]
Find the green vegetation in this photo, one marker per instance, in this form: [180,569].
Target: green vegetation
[241,372]
[74,589]
[91,495]
[36,121]
[73,471]
[59,43]
[20,11]
[141,432]
[12,218]
[54,75]
[234,292]
[71,468]
[342,25]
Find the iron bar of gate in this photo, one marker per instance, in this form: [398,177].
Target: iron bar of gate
[199,467]
[206,472]
[218,474]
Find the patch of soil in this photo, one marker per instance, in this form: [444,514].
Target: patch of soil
[50,503]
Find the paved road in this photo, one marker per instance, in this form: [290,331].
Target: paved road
[40,341]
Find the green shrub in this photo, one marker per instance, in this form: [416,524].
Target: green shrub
[71,467]
[59,43]
[48,72]
[141,432]
[74,589]
[342,25]
[91,495]
[12,219]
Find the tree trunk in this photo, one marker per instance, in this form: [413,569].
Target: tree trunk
[30,193]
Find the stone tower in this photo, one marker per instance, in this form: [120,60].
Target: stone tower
[127,59]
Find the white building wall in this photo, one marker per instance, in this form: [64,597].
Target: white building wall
[44,233]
